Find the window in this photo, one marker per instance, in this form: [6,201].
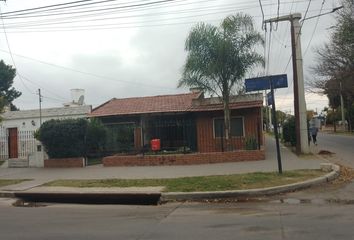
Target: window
[236,127]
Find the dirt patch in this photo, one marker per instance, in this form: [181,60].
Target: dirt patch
[346,175]
[325,152]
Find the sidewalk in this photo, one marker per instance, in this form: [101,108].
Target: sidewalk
[290,161]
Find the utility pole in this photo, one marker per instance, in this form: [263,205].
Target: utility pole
[299,92]
[40,107]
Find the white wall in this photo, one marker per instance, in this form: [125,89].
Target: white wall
[32,124]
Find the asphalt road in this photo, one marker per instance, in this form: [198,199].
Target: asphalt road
[252,220]
[341,145]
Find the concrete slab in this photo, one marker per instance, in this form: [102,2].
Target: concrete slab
[23,186]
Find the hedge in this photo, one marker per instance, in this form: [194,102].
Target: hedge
[64,138]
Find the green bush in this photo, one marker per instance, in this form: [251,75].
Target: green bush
[289,134]
[251,143]
[64,138]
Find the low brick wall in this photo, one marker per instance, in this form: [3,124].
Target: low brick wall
[183,159]
[64,162]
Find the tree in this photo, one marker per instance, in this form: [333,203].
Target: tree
[335,62]
[7,93]
[219,57]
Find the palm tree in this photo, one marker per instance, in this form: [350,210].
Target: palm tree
[219,57]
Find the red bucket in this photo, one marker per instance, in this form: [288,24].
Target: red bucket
[155,144]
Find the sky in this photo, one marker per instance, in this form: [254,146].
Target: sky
[132,48]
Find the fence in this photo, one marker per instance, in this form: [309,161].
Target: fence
[4,147]
[26,143]
[178,135]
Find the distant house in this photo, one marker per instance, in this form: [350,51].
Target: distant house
[182,122]
[17,128]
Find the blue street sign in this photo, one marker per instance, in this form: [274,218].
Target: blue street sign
[269,98]
[263,83]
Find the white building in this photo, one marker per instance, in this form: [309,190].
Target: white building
[17,129]
[29,120]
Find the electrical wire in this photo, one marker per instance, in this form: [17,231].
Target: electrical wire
[100,9]
[115,26]
[139,4]
[314,29]
[48,6]
[101,77]
[297,39]
[260,4]
[12,57]
[276,25]
[40,86]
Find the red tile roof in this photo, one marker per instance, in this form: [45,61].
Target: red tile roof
[188,102]
[140,105]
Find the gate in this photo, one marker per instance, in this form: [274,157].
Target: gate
[16,144]
[13,143]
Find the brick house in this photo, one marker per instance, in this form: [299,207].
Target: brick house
[182,122]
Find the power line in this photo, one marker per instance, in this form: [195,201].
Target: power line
[53,93]
[227,10]
[277,14]
[260,4]
[92,74]
[297,39]
[101,9]
[55,5]
[120,10]
[12,58]
[115,25]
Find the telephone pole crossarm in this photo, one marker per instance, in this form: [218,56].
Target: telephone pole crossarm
[284,18]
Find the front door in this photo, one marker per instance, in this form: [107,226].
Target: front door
[13,147]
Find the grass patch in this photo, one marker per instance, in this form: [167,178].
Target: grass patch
[6,182]
[196,184]
[1,162]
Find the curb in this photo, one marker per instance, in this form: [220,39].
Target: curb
[182,196]
[91,198]
[175,196]
[4,194]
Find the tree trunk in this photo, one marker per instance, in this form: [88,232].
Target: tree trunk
[227,126]
[334,121]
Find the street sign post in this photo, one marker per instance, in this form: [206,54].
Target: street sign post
[269,98]
[270,82]
[263,83]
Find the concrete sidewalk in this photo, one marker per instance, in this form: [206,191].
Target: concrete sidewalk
[290,161]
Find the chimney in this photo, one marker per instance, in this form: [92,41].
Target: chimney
[195,90]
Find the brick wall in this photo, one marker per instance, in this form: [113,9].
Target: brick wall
[64,162]
[184,159]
